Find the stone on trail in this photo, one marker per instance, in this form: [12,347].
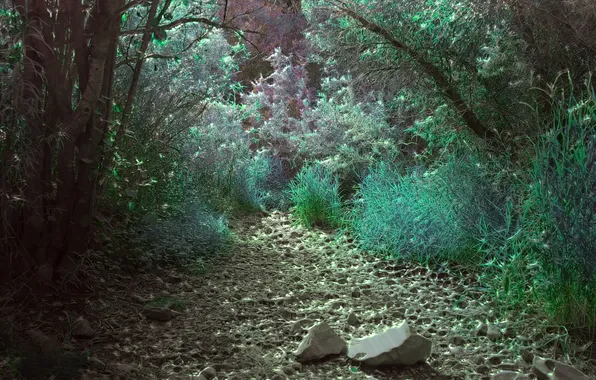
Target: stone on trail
[208,373]
[320,342]
[160,314]
[394,346]
[548,369]
[493,333]
[353,319]
[81,329]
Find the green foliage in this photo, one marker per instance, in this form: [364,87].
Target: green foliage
[314,194]
[349,136]
[172,126]
[562,198]
[407,216]
[560,206]
[260,184]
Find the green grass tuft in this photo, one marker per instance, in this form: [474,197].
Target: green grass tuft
[315,196]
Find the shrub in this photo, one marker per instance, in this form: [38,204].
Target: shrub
[544,254]
[314,194]
[564,188]
[260,182]
[561,210]
[408,216]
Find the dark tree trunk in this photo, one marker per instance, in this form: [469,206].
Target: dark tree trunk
[56,216]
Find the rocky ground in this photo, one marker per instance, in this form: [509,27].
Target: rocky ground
[247,315]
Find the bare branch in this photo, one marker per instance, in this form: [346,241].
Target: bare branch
[186,20]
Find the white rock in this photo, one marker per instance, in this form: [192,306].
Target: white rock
[394,346]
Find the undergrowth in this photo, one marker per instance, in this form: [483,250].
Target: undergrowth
[184,237]
[22,359]
[314,194]
[532,229]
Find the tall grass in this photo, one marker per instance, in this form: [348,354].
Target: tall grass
[314,194]
[532,228]
[561,206]
[442,214]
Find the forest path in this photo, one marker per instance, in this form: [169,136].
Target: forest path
[246,316]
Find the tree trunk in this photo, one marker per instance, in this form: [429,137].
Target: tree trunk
[63,47]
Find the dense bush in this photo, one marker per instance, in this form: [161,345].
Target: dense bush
[563,192]
[561,209]
[314,194]
[408,216]
[348,136]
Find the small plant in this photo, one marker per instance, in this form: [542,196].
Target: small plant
[315,196]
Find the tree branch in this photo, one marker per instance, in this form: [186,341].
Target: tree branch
[442,82]
[185,20]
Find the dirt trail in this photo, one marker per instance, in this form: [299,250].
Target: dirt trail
[246,316]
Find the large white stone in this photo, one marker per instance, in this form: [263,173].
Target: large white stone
[394,346]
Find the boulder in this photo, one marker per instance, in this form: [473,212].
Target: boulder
[394,346]
[320,342]
[548,369]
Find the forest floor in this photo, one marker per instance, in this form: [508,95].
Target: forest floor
[249,311]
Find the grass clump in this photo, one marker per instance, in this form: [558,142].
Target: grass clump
[547,253]
[406,216]
[314,194]
[561,209]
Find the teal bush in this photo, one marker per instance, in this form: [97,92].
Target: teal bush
[406,216]
[427,215]
[560,210]
[314,194]
[563,195]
